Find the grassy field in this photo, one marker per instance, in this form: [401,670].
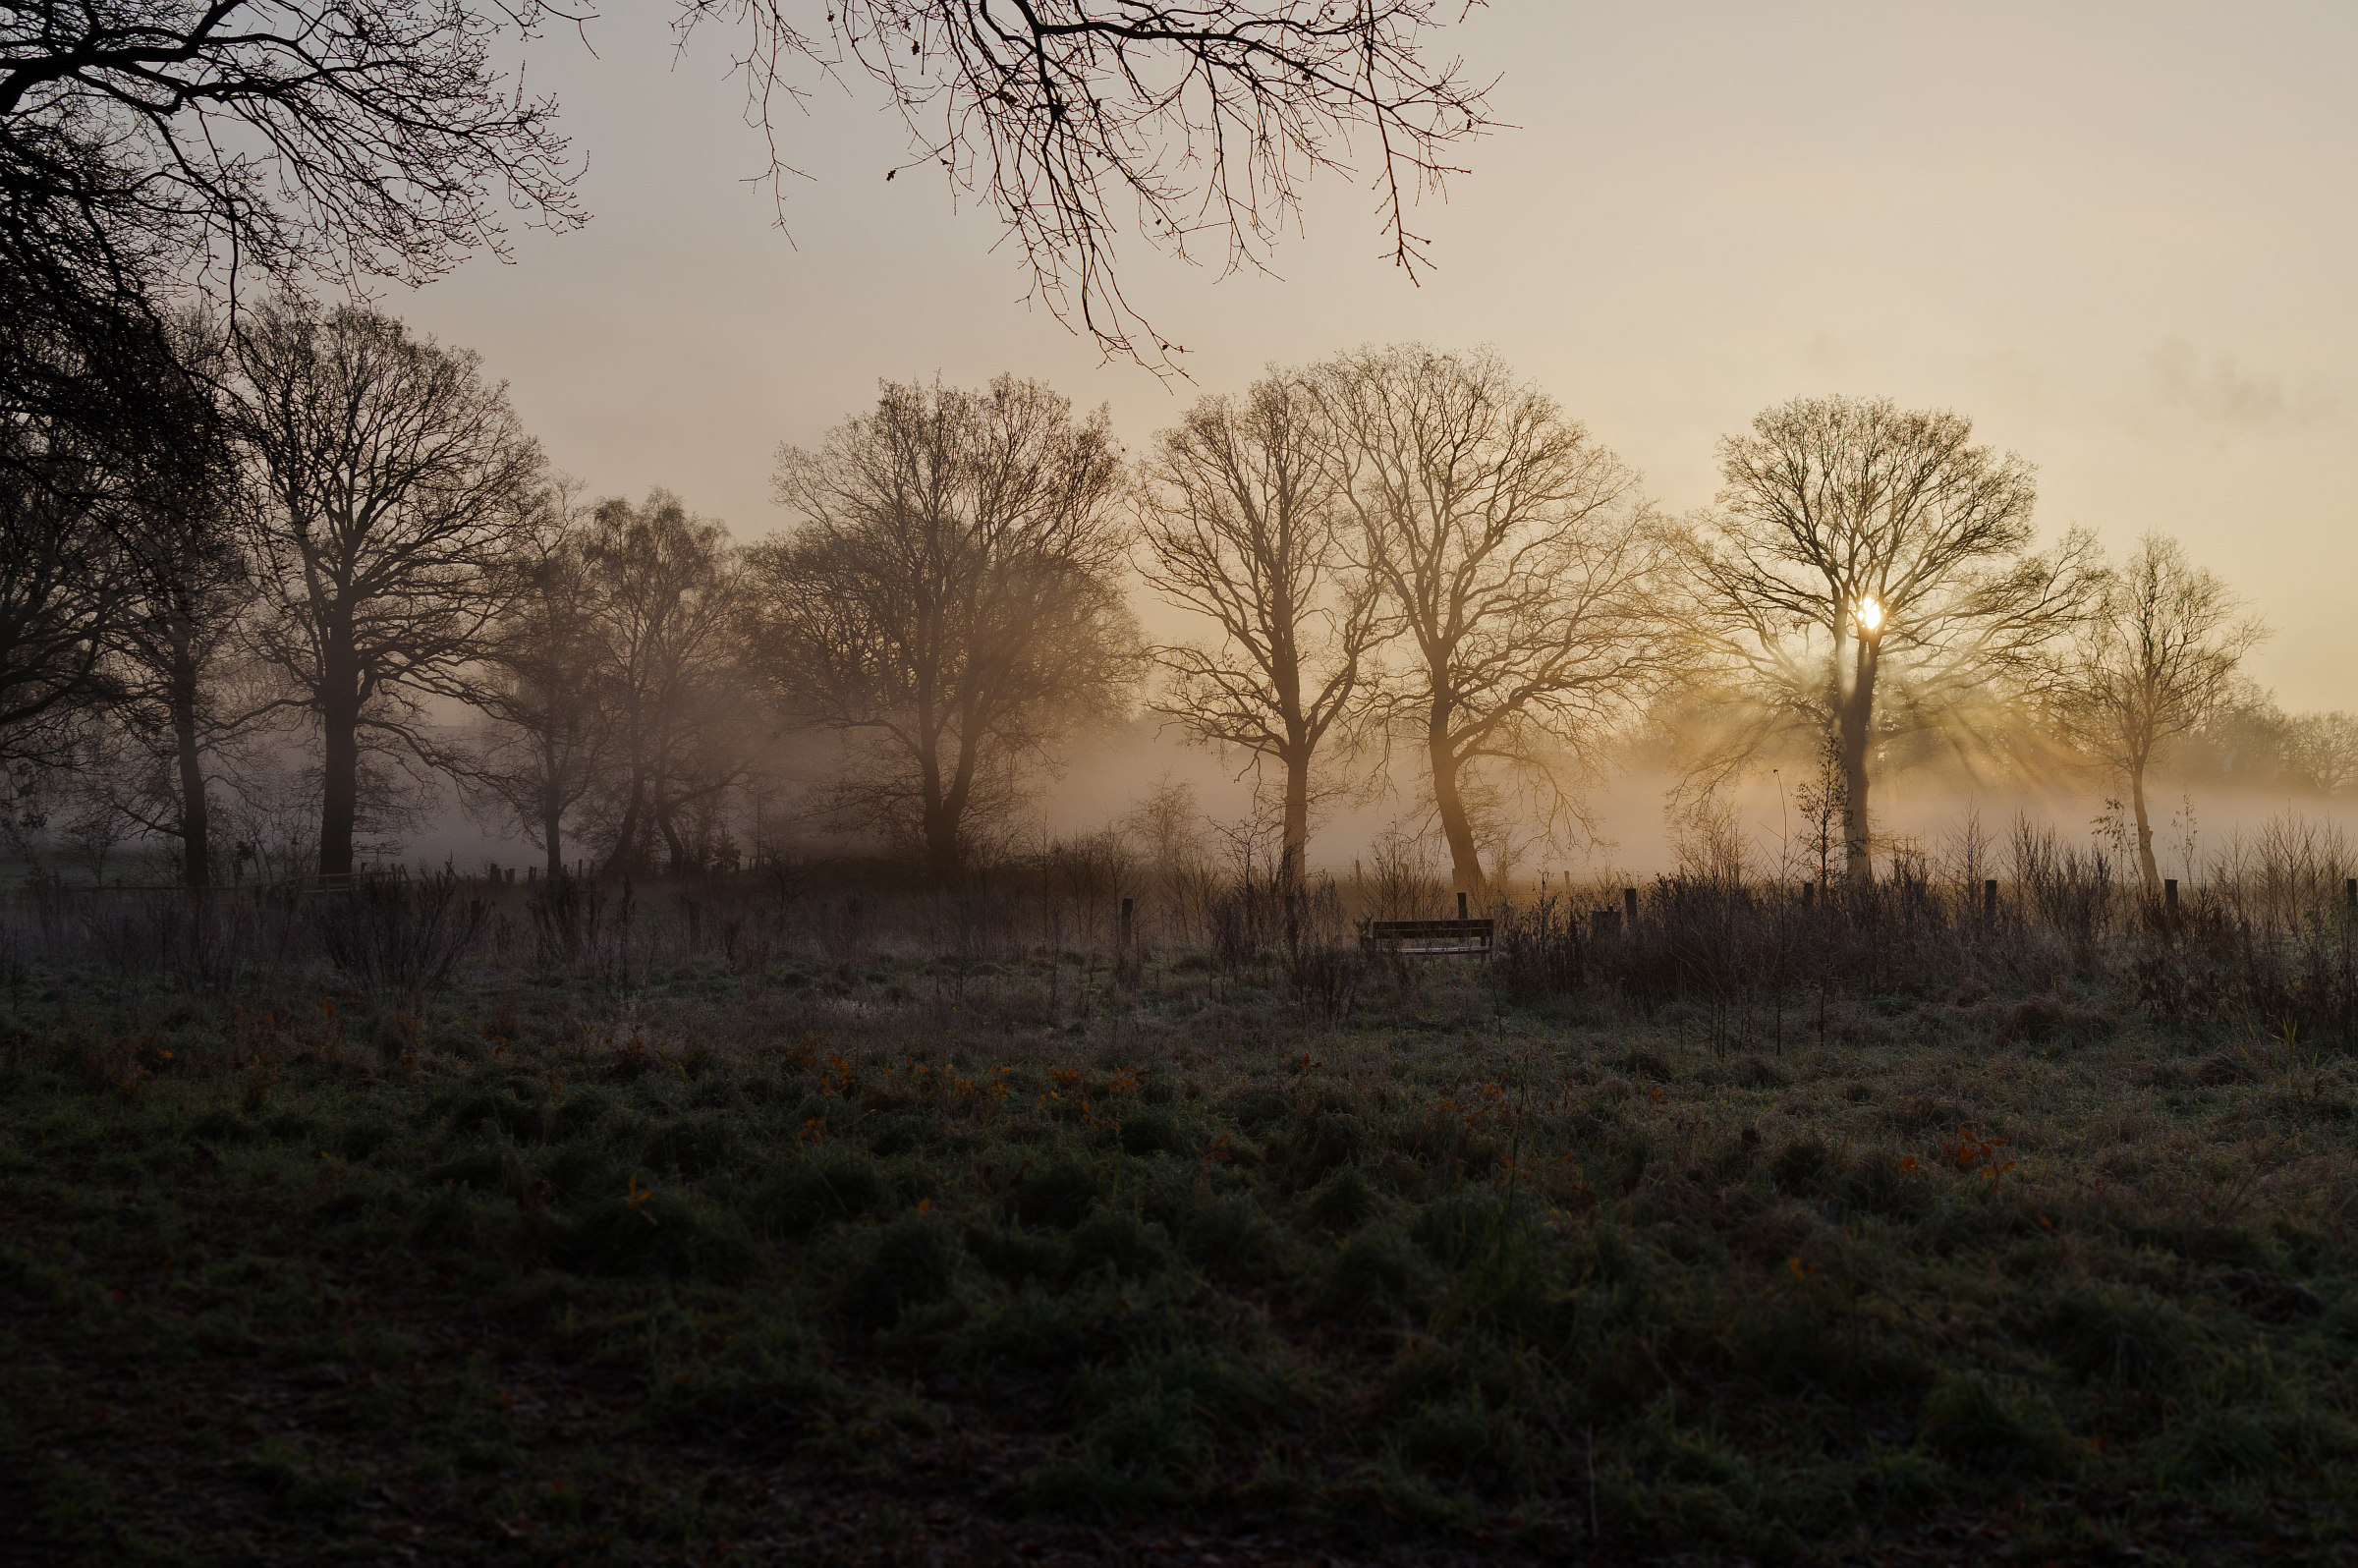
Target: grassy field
[2034,1251]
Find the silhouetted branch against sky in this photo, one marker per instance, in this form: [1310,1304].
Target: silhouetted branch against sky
[294,137]
[1079,122]
[279,138]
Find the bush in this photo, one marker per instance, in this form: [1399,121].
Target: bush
[1152,1130]
[832,1185]
[1344,1202]
[690,1145]
[1120,1240]
[2120,1333]
[1016,1254]
[1984,1424]
[658,1233]
[1229,1236]
[912,1262]
[1376,1275]
[1802,1163]
[1060,1193]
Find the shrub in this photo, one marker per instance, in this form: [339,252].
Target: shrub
[1120,1240]
[1256,1108]
[1342,1202]
[1375,1274]
[832,1184]
[1152,1130]
[1987,1426]
[651,1233]
[690,1145]
[912,1262]
[2119,1333]
[1802,1163]
[1060,1191]
[1456,1226]
[1229,1236]
[1016,1254]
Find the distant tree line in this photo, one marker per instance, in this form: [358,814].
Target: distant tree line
[352,580]
[272,574]
[260,559]
[225,526]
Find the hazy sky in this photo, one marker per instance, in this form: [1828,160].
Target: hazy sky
[2119,236]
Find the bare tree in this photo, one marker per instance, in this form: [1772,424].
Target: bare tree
[393,487]
[275,137]
[2323,750]
[544,736]
[663,626]
[1242,525]
[1868,574]
[99,454]
[186,585]
[279,137]
[1075,121]
[949,603]
[2157,660]
[60,598]
[1517,557]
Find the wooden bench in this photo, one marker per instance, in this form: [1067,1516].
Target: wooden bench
[1459,939]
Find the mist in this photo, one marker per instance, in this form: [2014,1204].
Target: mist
[1094,781]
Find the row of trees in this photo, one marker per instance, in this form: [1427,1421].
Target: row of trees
[155,152]
[1395,552]
[316,520]
[1410,546]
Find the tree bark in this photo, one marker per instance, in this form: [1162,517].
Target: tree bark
[1465,860]
[938,817]
[2145,830]
[552,815]
[196,811]
[667,826]
[339,784]
[340,760]
[941,848]
[1856,725]
[1292,869]
[624,859]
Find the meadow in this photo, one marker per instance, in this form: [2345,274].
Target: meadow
[787,1216]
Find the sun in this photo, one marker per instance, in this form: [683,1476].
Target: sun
[1870,615]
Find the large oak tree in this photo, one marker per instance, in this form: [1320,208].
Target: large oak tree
[2159,658]
[1868,574]
[1517,557]
[1243,524]
[949,603]
[394,485]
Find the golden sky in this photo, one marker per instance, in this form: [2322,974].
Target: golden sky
[2120,237]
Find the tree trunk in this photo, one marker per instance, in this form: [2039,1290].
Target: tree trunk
[2145,832]
[666,826]
[945,805]
[626,839]
[941,844]
[1293,868]
[340,765]
[552,820]
[1465,862]
[938,816]
[1856,725]
[195,811]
